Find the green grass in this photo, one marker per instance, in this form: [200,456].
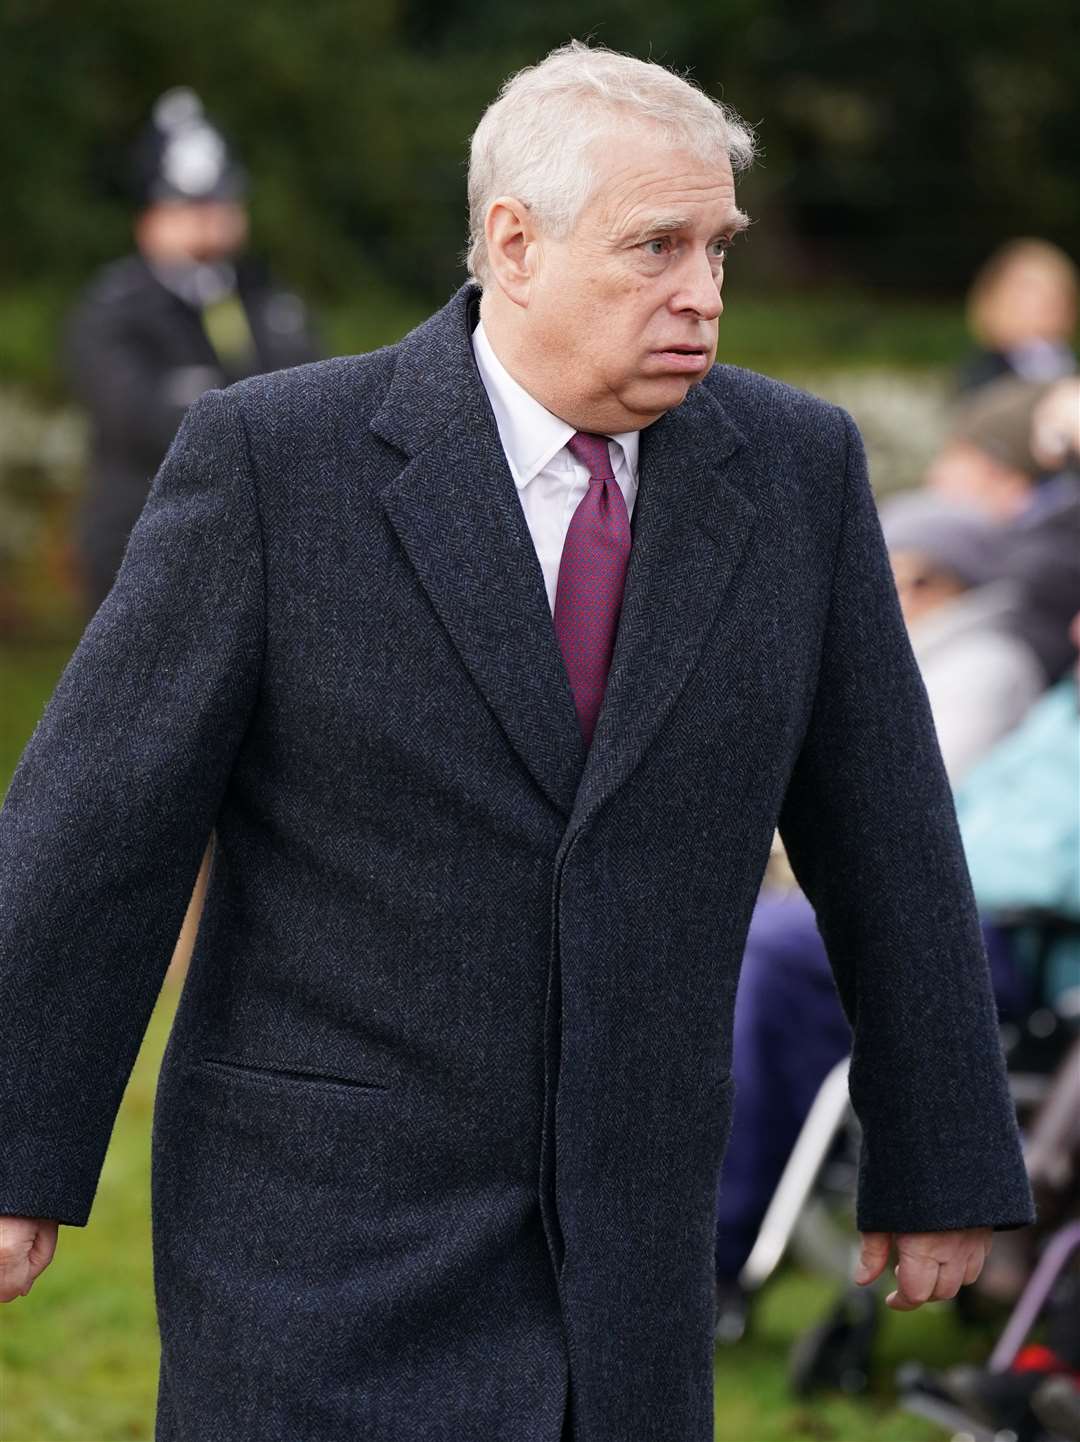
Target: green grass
[754,1403]
[79,1355]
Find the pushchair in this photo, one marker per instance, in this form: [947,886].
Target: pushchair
[812,1209]
[1028,1390]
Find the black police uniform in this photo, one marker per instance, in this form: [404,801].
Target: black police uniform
[147,338]
[138,354]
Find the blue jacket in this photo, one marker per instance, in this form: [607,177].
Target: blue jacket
[440,1120]
[1019,812]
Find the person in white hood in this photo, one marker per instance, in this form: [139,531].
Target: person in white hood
[980,675]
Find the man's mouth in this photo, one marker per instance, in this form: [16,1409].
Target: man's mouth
[683,357]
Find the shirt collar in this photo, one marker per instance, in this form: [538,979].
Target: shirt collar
[531,435]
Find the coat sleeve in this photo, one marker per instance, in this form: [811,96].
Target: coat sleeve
[870,828]
[110,808]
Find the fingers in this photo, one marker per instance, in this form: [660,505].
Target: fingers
[974,1266]
[950,1279]
[933,1266]
[874,1255]
[27,1245]
[44,1247]
[917,1277]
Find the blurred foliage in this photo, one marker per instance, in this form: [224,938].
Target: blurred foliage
[886,361]
[900,145]
[834,345]
[900,142]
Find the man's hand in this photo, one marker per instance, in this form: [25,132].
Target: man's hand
[27,1245]
[933,1266]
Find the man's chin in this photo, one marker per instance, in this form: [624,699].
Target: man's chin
[657,394]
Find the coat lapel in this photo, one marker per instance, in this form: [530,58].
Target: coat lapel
[458,516]
[457,513]
[691,527]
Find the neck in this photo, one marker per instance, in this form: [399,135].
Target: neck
[503,325]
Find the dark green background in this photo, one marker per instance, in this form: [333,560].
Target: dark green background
[901,141]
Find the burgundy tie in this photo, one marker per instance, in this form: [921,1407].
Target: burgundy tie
[592,571]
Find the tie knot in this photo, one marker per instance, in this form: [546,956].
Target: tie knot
[592,452]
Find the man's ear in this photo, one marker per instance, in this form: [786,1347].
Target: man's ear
[512,247]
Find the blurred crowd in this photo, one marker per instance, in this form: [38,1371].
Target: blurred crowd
[986,557]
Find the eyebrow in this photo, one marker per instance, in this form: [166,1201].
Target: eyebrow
[665,224]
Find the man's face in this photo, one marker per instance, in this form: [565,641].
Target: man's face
[621,318]
[1031,301]
[963,473]
[921,586]
[183,230]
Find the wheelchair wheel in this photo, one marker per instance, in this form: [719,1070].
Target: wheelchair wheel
[837,1352]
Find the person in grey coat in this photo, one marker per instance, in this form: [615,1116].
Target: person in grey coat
[440,1119]
[960,607]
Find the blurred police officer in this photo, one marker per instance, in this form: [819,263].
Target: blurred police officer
[154,330]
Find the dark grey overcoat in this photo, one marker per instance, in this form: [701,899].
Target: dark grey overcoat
[440,1121]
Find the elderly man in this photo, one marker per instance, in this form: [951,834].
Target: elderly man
[493,659]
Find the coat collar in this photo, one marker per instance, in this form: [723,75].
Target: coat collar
[455,509]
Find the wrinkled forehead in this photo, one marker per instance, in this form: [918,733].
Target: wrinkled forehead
[643,180]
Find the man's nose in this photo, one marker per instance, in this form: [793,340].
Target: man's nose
[699,288]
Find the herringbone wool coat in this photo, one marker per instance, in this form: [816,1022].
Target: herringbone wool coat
[440,1122]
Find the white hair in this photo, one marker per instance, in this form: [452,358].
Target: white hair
[533,140]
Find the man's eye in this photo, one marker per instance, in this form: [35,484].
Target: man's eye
[720,249]
[659,245]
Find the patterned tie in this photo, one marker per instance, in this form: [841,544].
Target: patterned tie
[592,571]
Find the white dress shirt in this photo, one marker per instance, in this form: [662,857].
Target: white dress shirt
[550,482]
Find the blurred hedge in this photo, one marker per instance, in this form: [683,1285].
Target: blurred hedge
[901,141]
